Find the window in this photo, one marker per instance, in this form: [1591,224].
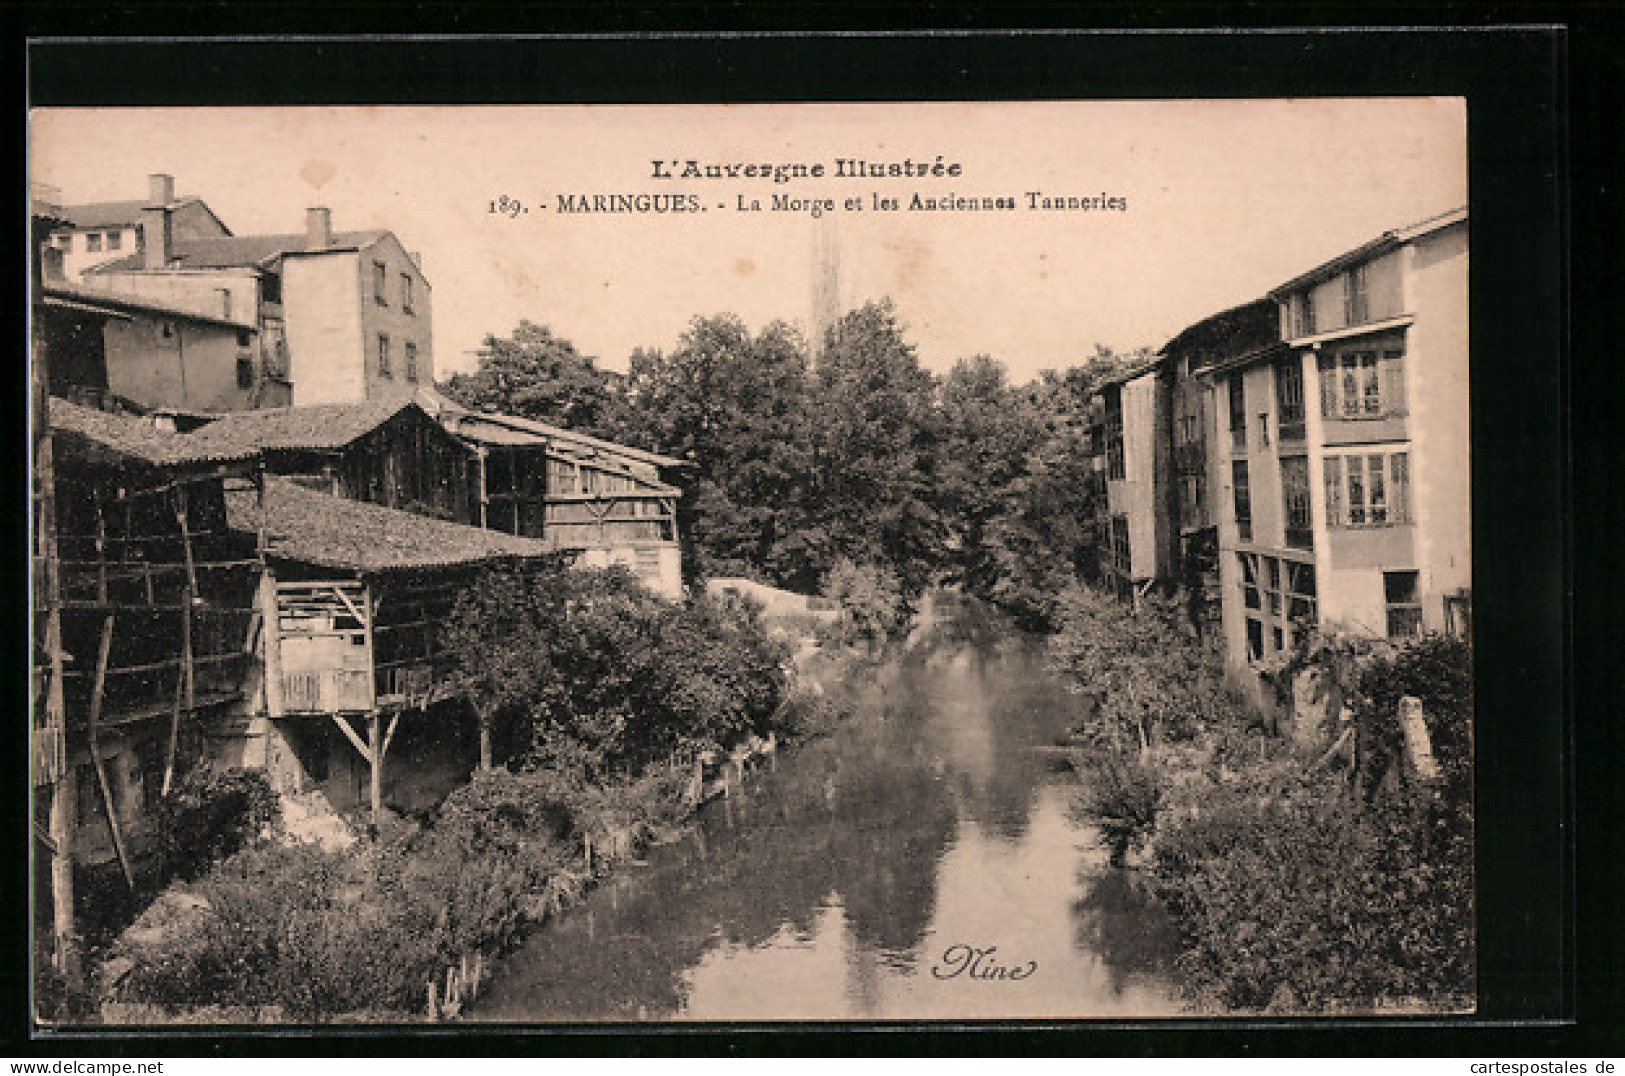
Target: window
[380,278]
[271,288]
[1356,296]
[1243,500]
[115,240]
[93,241]
[1300,589]
[1272,585]
[1116,466]
[1238,411]
[1121,559]
[1302,314]
[245,372]
[1289,399]
[411,361]
[1368,490]
[1402,594]
[1249,580]
[406,293]
[1278,596]
[225,302]
[1362,384]
[383,355]
[1295,502]
[1255,639]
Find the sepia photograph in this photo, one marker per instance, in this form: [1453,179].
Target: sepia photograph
[893,561]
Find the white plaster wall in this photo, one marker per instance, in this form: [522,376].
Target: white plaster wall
[326,350]
[1437,372]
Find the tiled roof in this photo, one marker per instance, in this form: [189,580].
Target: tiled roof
[332,532]
[102,433]
[106,214]
[235,251]
[511,429]
[312,426]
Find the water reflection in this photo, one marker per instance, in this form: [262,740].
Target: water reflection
[829,888]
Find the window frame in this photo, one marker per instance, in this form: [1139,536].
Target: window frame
[380,283]
[1241,499]
[1345,474]
[1291,413]
[1237,393]
[93,242]
[410,355]
[384,369]
[1297,506]
[408,305]
[1408,608]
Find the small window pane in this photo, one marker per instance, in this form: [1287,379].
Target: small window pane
[1400,588]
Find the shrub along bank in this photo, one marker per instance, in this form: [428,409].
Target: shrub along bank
[605,695]
[1310,875]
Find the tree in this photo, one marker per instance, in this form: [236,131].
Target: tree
[536,375]
[737,406]
[872,444]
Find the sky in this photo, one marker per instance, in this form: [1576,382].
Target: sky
[1225,199]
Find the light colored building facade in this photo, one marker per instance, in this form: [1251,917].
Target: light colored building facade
[95,233]
[1343,451]
[1136,536]
[342,317]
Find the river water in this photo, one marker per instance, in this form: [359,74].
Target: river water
[837,883]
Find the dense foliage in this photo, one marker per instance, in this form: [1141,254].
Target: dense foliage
[1294,887]
[591,674]
[806,454]
[209,814]
[318,934]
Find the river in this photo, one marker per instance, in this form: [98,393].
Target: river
[837,883]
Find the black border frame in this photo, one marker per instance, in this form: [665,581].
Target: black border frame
[1516,81]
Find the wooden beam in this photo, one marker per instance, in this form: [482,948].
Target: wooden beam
[350,734]
[94,722]
[185,688]
[377,772]
[389,735]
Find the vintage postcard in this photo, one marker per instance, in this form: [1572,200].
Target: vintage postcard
[933,561]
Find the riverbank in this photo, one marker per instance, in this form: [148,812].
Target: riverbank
[404,925]
[1325,871]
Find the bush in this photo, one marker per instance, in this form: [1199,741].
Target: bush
[603,678]
[873,605]
[1305,901]
[1147,678]
[1122,794]
[211,813]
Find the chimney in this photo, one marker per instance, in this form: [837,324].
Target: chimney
[318,228]
[160,190]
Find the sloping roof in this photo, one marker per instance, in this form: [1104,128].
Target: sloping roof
[103,434]
[1365,252]
[1241,328]
[511,429]
[107,214]
[320,529]
[239,251]
[1129,373]
[119,303]
[308,427]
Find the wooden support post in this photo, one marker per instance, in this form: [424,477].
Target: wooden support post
[101,546]
[185,691]
[186,537]
[94,722]
[63,823]
[376,743]
[485,496]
